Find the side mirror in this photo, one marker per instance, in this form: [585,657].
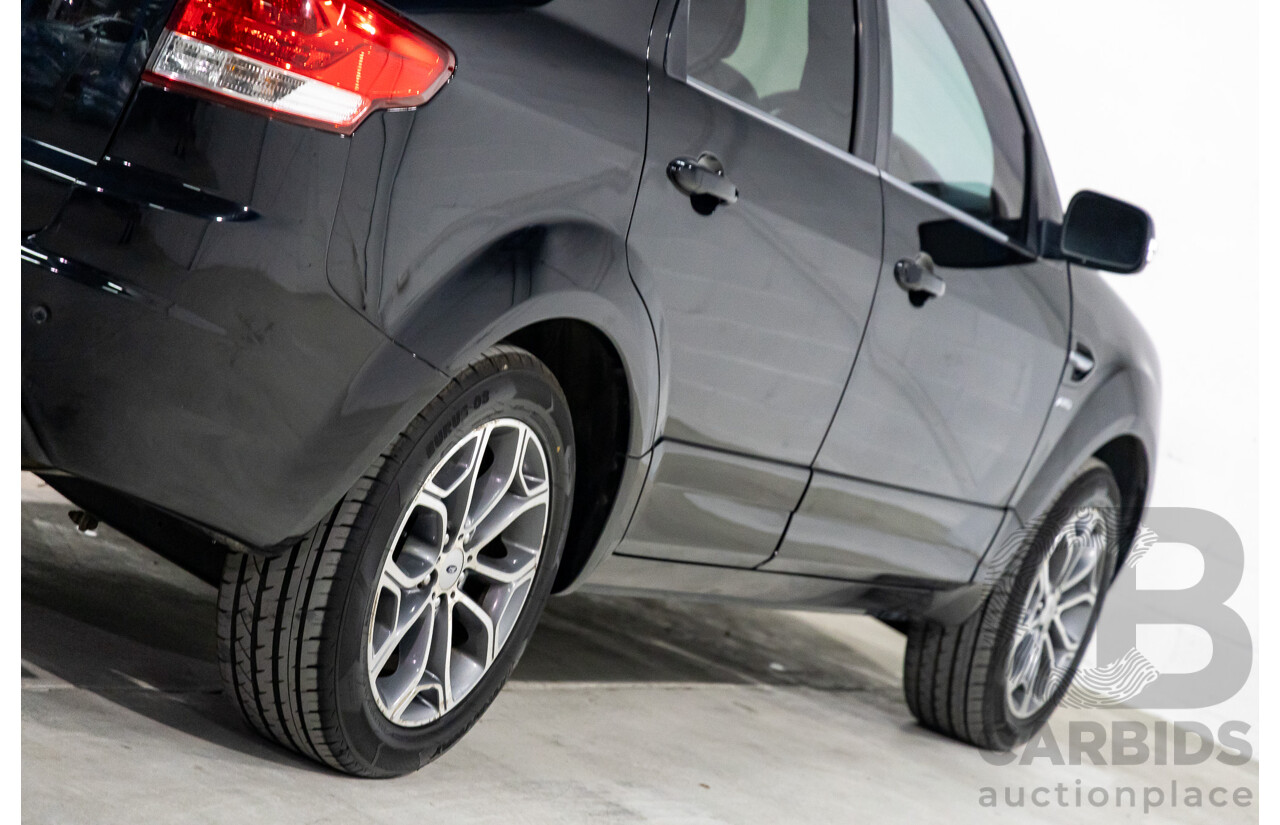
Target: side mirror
[1101,232]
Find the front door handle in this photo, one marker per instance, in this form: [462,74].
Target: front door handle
[703,180]
[917,278]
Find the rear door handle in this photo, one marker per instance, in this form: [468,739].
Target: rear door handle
[917,279]
[704,181]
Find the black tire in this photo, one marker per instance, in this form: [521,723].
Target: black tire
[292,629]
[954,676]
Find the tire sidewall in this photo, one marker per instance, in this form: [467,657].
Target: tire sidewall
[514,391]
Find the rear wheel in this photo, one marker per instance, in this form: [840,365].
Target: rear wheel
[377,642]
[994,680]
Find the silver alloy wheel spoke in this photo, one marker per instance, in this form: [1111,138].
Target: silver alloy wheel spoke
[515,572]
[1031,664]
[399,688]
[506,463]
[1056,612]
[408,615]
[501,515]
[482,618]
[1080,566]
[458,572]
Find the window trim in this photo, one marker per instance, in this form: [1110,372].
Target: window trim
[867,84]
[1030,202]
[951,211]
[780,124]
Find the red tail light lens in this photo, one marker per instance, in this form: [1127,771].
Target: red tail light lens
[325,62]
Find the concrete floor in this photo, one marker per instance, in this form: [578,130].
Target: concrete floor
[621,711]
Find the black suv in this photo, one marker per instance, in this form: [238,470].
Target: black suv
[394,319]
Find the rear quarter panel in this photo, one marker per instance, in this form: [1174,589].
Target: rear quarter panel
[507,199]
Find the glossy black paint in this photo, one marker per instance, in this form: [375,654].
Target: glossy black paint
[761,305]
[741,506]
[206,366]
[1113,412]
[80,63]
[506,201]
[850,529]
[228,317]
[632,576]
[945,404]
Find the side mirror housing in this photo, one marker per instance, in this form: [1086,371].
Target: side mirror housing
[1105,233]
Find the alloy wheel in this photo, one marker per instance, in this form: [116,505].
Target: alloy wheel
[1055,615]
[458,573]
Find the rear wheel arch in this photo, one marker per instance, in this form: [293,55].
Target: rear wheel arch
[593,375]
[541,272]
[561,290]
[297,633]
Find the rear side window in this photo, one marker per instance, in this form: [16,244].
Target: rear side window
[793,59]
[957,132]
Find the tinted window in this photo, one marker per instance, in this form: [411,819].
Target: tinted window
[790,58]
[957,133]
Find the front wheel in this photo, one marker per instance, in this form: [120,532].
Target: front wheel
[377,642]
[994,680]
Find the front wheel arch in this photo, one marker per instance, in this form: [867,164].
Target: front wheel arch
[1127,459]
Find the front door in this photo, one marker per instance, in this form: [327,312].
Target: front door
[969,335]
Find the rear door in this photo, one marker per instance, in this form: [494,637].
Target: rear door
[759,305]
[80,64]
[951,390]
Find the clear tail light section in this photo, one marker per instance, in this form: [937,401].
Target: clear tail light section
[326,63]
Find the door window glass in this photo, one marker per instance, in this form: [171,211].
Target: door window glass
[957,133]
[791,58]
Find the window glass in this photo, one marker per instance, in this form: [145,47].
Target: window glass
[791,58]
[957,133]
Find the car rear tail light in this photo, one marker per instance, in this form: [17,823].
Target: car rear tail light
[327,63]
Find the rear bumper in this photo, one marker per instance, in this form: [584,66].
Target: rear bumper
[206,366]
[253,420]
[33,454]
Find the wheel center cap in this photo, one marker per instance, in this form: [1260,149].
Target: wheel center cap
[450,568]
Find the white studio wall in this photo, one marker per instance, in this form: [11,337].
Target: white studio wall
[1155,101]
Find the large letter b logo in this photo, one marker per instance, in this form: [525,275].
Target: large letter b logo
[1203,606]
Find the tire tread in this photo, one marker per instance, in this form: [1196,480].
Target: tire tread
[947,667]
[273,612]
